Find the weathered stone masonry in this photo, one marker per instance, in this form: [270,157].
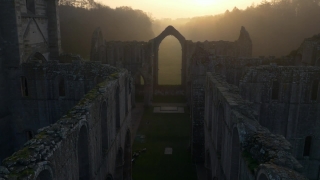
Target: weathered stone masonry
[141,58]
[86,106]
[92,141]
[28,32]
[286,99]
[237,146]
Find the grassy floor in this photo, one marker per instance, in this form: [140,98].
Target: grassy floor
[161,131]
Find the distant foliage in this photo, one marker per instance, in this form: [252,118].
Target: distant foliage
[276,27]
[123,24]
[78,3]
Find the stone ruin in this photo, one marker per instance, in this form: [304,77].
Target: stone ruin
[65,118]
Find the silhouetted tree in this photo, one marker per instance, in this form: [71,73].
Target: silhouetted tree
[123,24]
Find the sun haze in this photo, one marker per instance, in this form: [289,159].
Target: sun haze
[181,8]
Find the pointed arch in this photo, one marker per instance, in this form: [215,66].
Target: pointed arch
[109,177]
[83,154]
[170,30]
[263,177]
[38,57]
[44,171]
[45,175]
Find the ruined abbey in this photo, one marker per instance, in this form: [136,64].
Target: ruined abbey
[65,118]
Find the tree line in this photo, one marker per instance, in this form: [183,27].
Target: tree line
[276,27]
[123,24]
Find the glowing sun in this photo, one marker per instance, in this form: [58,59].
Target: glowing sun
[204,2]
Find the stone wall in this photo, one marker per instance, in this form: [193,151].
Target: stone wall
[30,28]
[237,146]
[308,54]
[287,101]
[91,141]
[141,58]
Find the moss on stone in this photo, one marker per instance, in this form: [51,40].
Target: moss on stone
[89,96]
[22,154]
[27,172]
[115,75]
[41,135]
[251,162]
[18,175]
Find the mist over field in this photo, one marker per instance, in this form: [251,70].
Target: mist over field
[276,28]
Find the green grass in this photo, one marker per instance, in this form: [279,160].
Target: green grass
[161,131]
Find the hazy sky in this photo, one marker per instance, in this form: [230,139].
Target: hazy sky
[181,8]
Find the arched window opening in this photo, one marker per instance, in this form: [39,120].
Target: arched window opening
[45,175]
[117,99]
[30,6]
[307,146]
[24,87]
[314,91]
[170,62]
[109,177]
[104,129]
[275,90]
[83,154]
[38,56]
[62,89]
[29,135]
[263,177]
